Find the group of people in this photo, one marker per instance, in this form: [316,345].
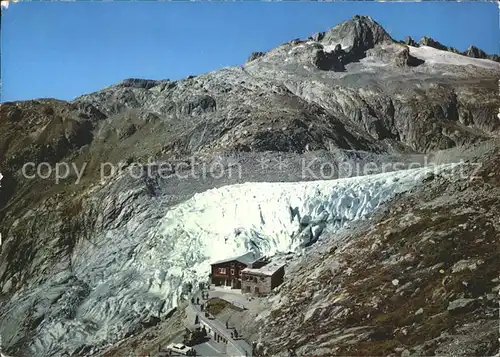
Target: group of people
[204,296]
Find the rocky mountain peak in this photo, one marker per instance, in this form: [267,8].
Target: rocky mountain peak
[360,34]
[410,41]
[475,52]
[428,41]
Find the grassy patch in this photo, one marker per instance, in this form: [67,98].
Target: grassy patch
[216,305]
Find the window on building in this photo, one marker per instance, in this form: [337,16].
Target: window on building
[222,270]
[232,271]
[254,280]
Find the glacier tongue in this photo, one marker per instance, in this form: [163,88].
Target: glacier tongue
[131,273]
[265,218]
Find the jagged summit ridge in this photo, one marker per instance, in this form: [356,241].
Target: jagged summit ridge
[360,34]
[472,51]
[363,40]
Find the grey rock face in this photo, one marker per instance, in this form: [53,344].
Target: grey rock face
[198,104]
[410,41]
[254,56]
[427,41]
[396,54]
[360,34]
[405,59]
[138,83]
[329,61]
[317,36]
[475,52]
[495,58]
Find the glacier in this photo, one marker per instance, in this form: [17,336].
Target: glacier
[267,218]
[137,273]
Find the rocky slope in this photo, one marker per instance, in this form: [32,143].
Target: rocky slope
[349,95]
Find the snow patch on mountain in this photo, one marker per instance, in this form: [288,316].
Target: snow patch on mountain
[331,47]
[434,56]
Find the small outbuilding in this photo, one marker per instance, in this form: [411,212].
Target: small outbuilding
[262,277]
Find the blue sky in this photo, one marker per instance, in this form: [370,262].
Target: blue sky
[63,49]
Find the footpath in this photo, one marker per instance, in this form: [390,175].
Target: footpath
[236,347]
